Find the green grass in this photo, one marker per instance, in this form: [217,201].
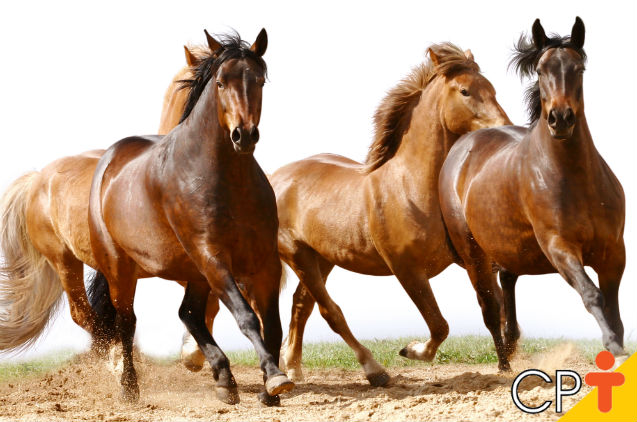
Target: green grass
[13,370]
[465,349]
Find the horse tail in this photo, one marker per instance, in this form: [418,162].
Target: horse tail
[99,297]
[30,289]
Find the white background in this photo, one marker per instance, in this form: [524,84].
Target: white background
[79,76]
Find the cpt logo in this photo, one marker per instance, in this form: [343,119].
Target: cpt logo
[604,381]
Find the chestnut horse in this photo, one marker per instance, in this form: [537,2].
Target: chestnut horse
[196,206]
[382,217]
[175,97]
[541,199]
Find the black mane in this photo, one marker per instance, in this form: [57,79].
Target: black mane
[524,60]
[232,47]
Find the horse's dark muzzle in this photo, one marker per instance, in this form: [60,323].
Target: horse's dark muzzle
[561,122]
[244,140]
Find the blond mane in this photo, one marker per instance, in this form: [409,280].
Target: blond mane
[393,115]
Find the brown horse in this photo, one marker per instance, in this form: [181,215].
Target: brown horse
[541,199]
[196,206]
[382,217]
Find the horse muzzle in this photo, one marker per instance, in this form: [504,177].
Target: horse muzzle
[244,140]
[561,123]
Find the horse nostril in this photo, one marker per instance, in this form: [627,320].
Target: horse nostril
[254,134]
[236,135]
[552,118]
[569,117]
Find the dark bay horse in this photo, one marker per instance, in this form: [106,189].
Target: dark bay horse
[196,206]
[383,217]
[541,199]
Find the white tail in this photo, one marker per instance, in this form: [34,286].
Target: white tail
[30,289]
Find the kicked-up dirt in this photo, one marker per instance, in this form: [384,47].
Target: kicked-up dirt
[87,389]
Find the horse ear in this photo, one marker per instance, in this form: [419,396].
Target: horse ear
[577,33]
[539,36]
[433,57]
[213,44]
[261,43]
[469,55]
[191,59]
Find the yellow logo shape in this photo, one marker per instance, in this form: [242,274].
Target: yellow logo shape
[624,400]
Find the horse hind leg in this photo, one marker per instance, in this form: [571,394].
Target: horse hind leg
[192,313]
[512,329]
[191,355]
[71,273]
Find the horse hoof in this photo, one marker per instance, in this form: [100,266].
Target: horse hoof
[130,395]
[192,366]
[228,395]
[504,368]
[268,400]
[296,375]
[278,384]
[379,380]
[417,350]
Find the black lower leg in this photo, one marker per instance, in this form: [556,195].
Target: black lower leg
[512,331]
[249,326]
[272,336]
[192,314]
[125,322]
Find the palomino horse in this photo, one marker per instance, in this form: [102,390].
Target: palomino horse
[382,217]
[541,199]
[175,97]
[45,240]
[196,206]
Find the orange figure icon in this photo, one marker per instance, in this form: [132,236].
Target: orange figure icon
[604,381]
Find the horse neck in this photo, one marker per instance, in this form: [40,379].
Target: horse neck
[426,143]
[576,155]
[204,144]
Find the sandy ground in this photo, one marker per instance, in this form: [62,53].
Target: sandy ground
[87,390]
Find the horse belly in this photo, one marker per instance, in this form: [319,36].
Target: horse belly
[507,239]
[341,236]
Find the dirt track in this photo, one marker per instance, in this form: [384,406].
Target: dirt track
[87,390]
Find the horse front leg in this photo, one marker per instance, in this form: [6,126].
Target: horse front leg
[567,261]
[225,287]
[416,284]
[265,298]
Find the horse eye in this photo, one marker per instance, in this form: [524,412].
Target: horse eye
[464,92]
[219,84]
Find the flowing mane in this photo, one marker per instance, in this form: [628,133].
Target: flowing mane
[524,60]
[393,115]
[232,47]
